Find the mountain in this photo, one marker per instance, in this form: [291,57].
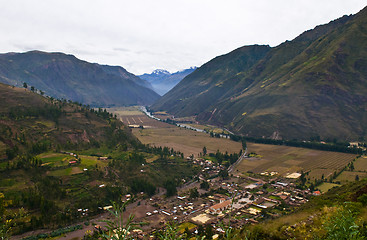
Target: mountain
[314,85]
[64,76]
[163,81]
[29,121]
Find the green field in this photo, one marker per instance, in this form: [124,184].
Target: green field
[348,176]
[324,187]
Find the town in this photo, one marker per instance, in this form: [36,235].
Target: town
[215,199]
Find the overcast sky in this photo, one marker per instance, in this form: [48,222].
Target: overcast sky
[143,35]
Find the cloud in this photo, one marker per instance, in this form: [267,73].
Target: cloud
[143,35]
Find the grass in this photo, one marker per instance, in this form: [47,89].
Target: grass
[88,161]
[209,128]
[3,165]
[183,226]
[285,159]
[324,187]
[360,164]
[55,159]
[61,172]
[7,182]
[348,176]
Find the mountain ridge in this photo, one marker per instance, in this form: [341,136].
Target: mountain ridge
[298,89]
[64,76]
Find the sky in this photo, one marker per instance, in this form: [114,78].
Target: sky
[144,35]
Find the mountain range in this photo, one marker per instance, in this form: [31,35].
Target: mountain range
[163,81]
[314,85]
[64,76]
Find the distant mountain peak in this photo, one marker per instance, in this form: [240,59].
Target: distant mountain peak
[163,81]
[160,71]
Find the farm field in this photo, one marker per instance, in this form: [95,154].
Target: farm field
[209,128]
[125,111]
[324,187]
[348,176]
[185,140]
[285,159]
[360,164]
[189,142]
[61,167]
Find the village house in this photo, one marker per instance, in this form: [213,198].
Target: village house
[220,207]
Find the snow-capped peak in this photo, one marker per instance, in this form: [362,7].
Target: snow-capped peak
[160,71]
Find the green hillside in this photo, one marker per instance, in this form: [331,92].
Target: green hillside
[64,76]
[50,166]
[28,119]
[313,85]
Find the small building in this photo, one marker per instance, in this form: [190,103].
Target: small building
[220,207]
[316,193]
[102,158]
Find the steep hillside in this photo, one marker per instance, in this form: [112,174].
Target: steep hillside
[64,76]
[163,81]
[29,121]
[313,85]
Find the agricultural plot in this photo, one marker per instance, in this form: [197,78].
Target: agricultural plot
[360,164]
[285,159]
[125,111]
[55,159]
[209,128]
[189,142]
[350,176]
[185,140]
[143,120]
[324,187]
[60,165]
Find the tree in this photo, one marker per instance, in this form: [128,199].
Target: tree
[204,185]
[32,88]
[194,193]
[25,85]
[170,186]
[209,232]
[351,166]
[223,173]
[204,151]
[244,145]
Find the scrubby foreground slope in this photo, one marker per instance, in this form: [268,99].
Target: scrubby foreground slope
[64,76]
[313,85]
